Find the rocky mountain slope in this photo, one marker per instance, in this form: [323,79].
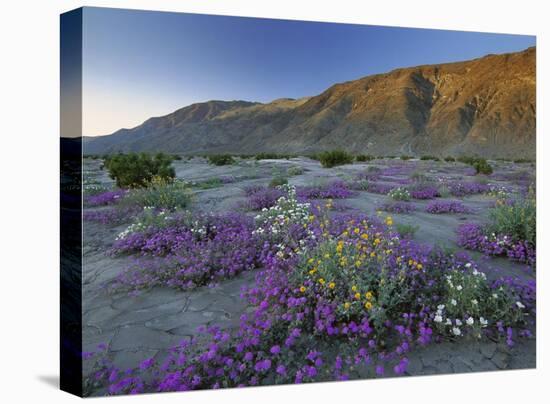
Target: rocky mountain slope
[485,106]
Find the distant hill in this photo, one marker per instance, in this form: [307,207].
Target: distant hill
[484,106]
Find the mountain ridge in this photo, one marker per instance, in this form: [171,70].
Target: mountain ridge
[484,106]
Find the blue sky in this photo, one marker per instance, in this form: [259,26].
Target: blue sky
[139,64]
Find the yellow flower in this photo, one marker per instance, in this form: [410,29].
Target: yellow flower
[389,221]
[354,288]
[356,230]
[376,241]
[364,236]
[357,295]
[311,218]
[302,289]
[368,305]
[419,266]
[398,260]
[373,254]
[345,233]
[321,281]
[327,256]
[310,261]
[313,270]
[410,262]
[347,305]
[357,263]
[368,295]
[331,285]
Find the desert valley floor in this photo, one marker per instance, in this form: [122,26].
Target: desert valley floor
[142,325]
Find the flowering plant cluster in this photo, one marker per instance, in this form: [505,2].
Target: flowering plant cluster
[106,198]
[400,194]
[471,304]
[397,207]
[424,191]
[380,188]
[438,207]
[460,188]
[262,197]
[286,222]
[185,251]
[501,193]
[474,237]
[333,190]
[111,216]
[344,297]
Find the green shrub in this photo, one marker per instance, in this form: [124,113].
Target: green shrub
[518,220]
[295,170]
[419,176]
[334,158]
[221,159]
[160,194]
[271,156]
[482,167]
[450,159]
[209,183]
[467,159]
[430,157]
[278,181]
[519,161]
[406,230]
[405,157]
[135,170]
[364,157]
[444,191]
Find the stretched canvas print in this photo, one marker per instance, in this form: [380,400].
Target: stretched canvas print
[250,202]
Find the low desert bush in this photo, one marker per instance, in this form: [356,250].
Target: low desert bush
[406,230]
[334,158]
[160,194]
[482,167]
[278,181]
[221,159]
[271,156]
[517,220]
[519,161]
[135,170]
[405,157]
[450,159]
[364,157]
[294,170]
[429,157]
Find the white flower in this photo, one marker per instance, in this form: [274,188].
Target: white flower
[474,301]
[520,305]
[459,287]
[440,307]
[468,265]
[456,331]
[470,321]
[448,322]
[495,295]
[458,322]
[453,302]
[438,319]
[483,322]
